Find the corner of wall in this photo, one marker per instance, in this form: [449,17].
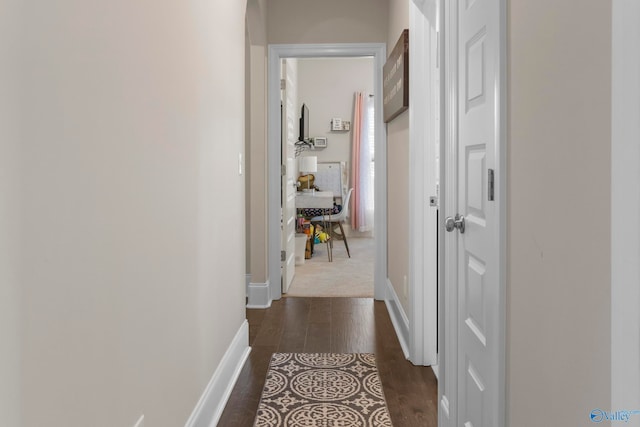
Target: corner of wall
[209,408]
[259,295]
[399,318]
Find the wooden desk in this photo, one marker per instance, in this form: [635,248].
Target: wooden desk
[318,200]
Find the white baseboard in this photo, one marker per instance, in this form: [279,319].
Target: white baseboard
[399,318]
[259,295]
[435,370]
[214,398]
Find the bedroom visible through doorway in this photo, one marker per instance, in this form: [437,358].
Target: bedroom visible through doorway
[338,99]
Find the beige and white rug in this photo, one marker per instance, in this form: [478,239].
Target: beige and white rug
[323,390]
[343,277]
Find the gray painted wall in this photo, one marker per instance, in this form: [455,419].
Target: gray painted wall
[125,274]
[559,151]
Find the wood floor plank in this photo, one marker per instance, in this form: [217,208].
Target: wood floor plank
[272,326]
[254,318]
[318,338]
[294,335]
[243,402]
[322,325]
[320,310]
[352,332]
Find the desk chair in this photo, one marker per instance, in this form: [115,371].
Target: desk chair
[335,221]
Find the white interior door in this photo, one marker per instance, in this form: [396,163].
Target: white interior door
[478,276]
[289,138]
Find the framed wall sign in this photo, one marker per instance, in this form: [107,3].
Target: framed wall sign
[395,74]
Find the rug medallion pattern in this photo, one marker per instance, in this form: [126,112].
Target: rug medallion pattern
[324,390]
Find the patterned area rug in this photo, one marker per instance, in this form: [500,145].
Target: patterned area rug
[322,389]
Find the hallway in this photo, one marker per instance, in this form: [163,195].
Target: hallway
[337,325]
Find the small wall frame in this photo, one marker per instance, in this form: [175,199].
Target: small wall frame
[320,142]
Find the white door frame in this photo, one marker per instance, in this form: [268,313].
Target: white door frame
[625,208]
[423,169]
[281,51]
[448,244]
[288,112]
[448,311]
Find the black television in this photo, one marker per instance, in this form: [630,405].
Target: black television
[304,124]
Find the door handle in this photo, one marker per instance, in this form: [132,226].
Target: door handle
[452,223]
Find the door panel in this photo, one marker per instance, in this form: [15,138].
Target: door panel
[475,298]
[475,70]
[475,397]
[475,185]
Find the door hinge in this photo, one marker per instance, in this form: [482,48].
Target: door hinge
[283,84]
[491,185]
[283,170]
[283,256]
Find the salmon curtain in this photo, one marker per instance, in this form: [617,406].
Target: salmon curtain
[362,164]
[355,159]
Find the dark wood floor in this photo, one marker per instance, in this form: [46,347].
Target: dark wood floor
[333,325]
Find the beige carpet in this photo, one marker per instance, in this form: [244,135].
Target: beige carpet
[322,390]
[344,277]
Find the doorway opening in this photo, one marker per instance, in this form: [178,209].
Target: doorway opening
[277,53]
[328,146]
